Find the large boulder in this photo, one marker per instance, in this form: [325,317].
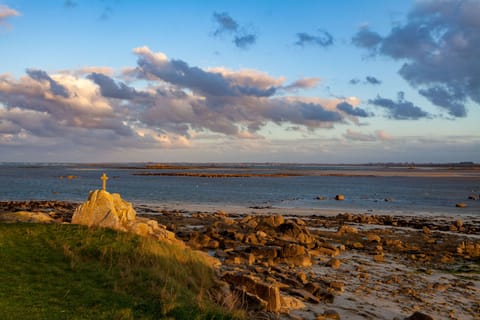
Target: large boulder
[105,209]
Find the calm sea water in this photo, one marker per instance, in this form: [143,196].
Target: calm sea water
[408,195]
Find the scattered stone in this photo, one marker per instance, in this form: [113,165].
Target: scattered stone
[461,205]
[417,315]
[334,263]
[329,314]
[256,290]
[346,229]
[374,238]
[339,197]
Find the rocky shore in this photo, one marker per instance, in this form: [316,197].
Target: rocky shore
[345,266]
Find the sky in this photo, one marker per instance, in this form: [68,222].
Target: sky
[240,81]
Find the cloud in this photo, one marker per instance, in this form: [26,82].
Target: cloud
[400,109]
[166,104]
[367,39]
[33,97]
[354,81]
[5,13]
[55,87]
[178,72]
[358,136]
[439,45]
[323,39]
[305,83]
[226,25]
[372,80]
[350,110]
[110,89]
[245,41]
[106,13]
[368,80]
[70,4]
[444,97]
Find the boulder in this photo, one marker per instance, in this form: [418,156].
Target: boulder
[104,209]
[255,289]
[346,229]
[272,221]
[334,263]
[290,231]
[417,315]
[340,197]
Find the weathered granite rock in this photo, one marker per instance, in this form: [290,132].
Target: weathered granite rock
[26,216]
[334,263]
[107,210]
[417,315]
[346,229]
[256,290]
[104,209]
[290,231]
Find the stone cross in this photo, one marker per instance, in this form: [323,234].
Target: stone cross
[104,181]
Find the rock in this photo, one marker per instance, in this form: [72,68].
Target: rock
[107,210]
[459,223]
[272,221]
[325,249]
[338,286]
[339,197]
[461,205]
[346,229]
[321,198]
[329,314]
[334,263]
[302,277]
[472,197]
[26,216]
[357,245]
[255,288]
[104,209]
[291,303]
[374,238]
[293,250]
[378,258]
[417,315]
[426,230]
[290,231]
[305,295]
[320,292]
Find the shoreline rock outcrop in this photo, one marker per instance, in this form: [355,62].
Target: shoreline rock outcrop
[109,210]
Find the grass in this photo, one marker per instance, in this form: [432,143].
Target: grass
[51,271]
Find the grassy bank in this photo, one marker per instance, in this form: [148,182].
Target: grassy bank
[72,272]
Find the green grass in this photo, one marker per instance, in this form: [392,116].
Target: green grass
[51,271]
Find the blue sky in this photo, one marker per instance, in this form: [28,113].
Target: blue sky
[240,81]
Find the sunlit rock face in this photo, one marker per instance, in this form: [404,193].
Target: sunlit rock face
[104,209]
[109,210]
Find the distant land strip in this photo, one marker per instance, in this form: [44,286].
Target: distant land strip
[218,175]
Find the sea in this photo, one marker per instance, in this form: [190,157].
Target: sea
[367,189]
